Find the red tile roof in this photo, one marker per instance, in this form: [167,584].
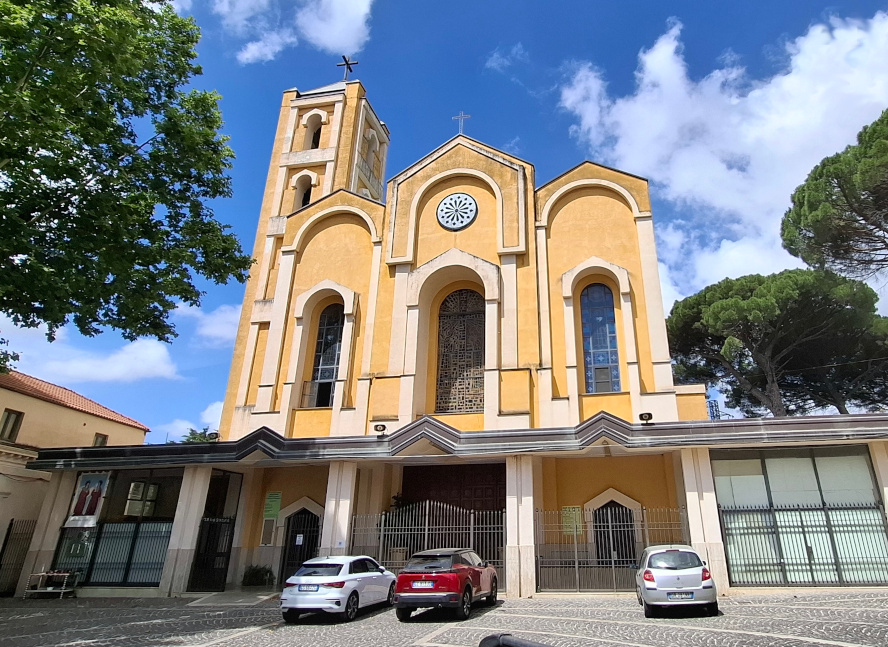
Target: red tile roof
[27,385]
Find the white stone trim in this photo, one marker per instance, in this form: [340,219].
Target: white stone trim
[570,281]
[509,346]
[338,508]
[311,175]
[305,503]
[609,495]
[523,495]
[323,114]
[578,184]
[487,272]
[653,299]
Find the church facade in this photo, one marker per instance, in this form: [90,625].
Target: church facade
[465,356]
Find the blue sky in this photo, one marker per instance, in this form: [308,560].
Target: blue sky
[724,106]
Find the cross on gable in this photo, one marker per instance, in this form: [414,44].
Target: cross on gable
[461,117]
[347,64]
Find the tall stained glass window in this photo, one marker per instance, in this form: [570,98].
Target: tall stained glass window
[319,391]
[601,358]
[460,387]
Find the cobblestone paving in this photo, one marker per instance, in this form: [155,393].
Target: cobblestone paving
[761,619]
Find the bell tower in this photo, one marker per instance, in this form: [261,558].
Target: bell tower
[327,139]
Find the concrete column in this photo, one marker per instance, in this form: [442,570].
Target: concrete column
[186,525]
[247,515]
[702,508]
[339,507]
[523,488]
[53,513]
[879,456]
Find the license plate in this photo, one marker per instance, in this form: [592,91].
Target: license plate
[308,587]
[679,596]
[422,585]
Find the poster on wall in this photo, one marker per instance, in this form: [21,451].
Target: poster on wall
[87,501]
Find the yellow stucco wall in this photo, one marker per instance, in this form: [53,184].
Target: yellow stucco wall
[692,406]
[648,479]
[49,425]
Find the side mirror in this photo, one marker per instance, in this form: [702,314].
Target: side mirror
[382,569]
[485,564]
[704,562]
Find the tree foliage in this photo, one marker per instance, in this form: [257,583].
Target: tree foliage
[199,436]
[785,343]
[839,216]
[106,165]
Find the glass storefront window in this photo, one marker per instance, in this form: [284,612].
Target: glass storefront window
[739,483]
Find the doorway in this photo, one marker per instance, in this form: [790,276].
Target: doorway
[300,541]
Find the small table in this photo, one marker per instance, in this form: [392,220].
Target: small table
[60,582]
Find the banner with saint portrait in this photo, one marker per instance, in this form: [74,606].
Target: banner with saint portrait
[86,504]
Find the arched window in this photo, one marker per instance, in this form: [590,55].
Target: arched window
[318,392]
[460,386]
[600,354]
[313,132]
[303,192]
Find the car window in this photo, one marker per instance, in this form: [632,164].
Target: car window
[318,570]
[358,566]
[429,563]
[674,560]
[472,558]
[371,565]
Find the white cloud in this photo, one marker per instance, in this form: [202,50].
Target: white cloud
[267,47]
[500,60]
[513,146]
[265,28]
[171,431]
[60,362]
[216,328]
[212,415]
[335,26]
[727,150]
[139,360]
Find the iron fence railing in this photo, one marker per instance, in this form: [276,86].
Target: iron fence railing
[115,554]
[14,544]
[392,537]
[597,549]
[810,545]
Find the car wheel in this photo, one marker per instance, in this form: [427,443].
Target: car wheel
[712,609]
[464,610]
[650,611]
[491,599]
[638,597]
[351,608]
[403,613]
[291,616]
[390,600]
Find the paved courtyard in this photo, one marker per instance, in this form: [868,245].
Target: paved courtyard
[756,619]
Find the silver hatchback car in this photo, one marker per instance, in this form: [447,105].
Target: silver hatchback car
[671,575]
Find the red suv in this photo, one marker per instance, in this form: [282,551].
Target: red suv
[446,577]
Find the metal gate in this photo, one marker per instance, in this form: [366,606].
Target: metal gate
[596,550]
[13,550]
[300,541]
[824,545]
[210,567]
[392,537]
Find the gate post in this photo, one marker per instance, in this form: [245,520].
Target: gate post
[523,487]
[703,518]
[879,456]
[186,526]
[339,507]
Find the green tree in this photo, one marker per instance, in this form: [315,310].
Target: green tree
[750,335]
[839,216]
[106,164]
[199,436]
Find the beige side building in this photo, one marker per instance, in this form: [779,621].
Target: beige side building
[469,357]
[37,414]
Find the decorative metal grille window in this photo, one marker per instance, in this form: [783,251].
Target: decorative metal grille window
[460,386]
[318,392]
[601,357]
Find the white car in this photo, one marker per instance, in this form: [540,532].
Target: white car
[671,575]
[341,584]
